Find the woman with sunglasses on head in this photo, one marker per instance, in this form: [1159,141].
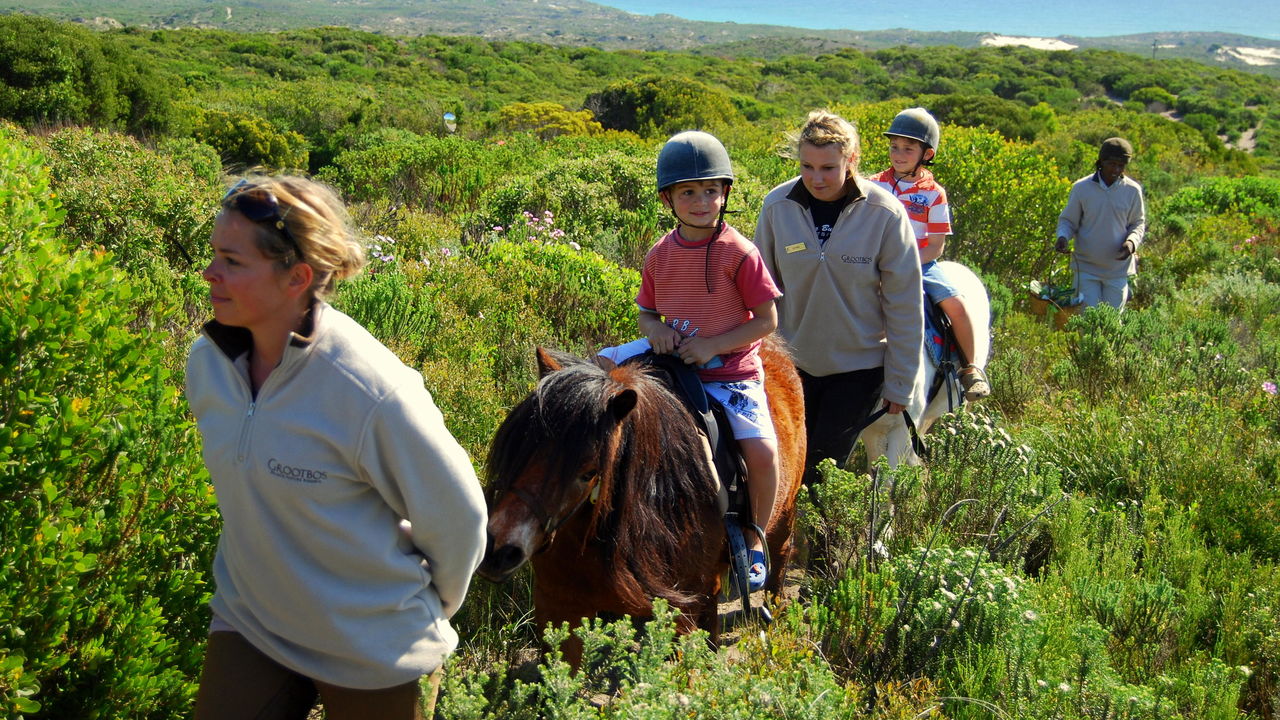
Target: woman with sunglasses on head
[352,519]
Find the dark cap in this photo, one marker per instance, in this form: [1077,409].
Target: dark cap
[1117,148]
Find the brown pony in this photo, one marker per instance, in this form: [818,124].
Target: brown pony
[601,479]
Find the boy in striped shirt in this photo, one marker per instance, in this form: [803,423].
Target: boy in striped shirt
[913,140]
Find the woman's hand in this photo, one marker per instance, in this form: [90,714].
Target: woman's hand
[894,408]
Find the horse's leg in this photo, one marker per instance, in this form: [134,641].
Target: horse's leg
[876,442]
[779,557]
[556,608]
[704,615]
[897,444]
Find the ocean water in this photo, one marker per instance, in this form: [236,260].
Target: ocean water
[1035,18]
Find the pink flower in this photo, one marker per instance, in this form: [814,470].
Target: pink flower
[502,142]
[497,228]
[1269,387]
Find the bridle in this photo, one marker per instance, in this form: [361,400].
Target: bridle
[549,523]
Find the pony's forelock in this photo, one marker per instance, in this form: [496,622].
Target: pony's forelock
[652,472]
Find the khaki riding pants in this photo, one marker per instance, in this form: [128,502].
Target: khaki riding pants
[240,683]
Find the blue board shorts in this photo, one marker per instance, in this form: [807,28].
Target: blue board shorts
[936,283]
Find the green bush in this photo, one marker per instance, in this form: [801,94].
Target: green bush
[651,673]
[472,342]
[1251,196]
[1001,220]
[249,141]
[28,209]
[587,301]
[442,174]
[604,202]
[546,120]
[106,526]
[57,73]
[1141,576]
[153,211]
[1011,119]
[658,106]
[1154,95]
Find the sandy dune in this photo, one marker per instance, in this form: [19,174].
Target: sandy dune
[1038,43]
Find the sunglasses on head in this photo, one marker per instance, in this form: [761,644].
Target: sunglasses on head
[261,206]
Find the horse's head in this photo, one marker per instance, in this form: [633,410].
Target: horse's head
[551,458]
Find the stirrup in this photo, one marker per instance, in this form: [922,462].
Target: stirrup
[757,572]
[974,382]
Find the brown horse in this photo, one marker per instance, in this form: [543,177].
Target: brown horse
[601,479]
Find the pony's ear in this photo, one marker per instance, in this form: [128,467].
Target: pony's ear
[547,362]
[623,402]
[550,361]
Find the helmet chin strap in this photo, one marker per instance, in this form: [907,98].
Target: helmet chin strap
[915,171]
[718,225]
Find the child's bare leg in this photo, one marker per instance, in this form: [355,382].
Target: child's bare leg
[977,386]
[761,456]
[960,325]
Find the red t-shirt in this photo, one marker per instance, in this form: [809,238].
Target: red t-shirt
[708,288]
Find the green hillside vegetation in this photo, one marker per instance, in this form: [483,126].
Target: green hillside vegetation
[1099,539]
[578,23]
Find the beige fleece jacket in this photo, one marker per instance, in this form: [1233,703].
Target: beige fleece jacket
[855,301]
[313,477]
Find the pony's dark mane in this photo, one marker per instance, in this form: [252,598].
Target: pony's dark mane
[653,476]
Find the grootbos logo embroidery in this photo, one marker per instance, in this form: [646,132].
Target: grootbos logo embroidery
[856,259]
[296,474]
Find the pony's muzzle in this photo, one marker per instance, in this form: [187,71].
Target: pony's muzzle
[499,563]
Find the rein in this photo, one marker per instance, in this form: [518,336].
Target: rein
[917,443]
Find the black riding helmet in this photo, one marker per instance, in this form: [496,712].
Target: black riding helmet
[916,123]
[692,156]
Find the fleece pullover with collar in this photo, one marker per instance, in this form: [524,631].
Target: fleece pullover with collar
[1101,218]
[854,301]
[313,477]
